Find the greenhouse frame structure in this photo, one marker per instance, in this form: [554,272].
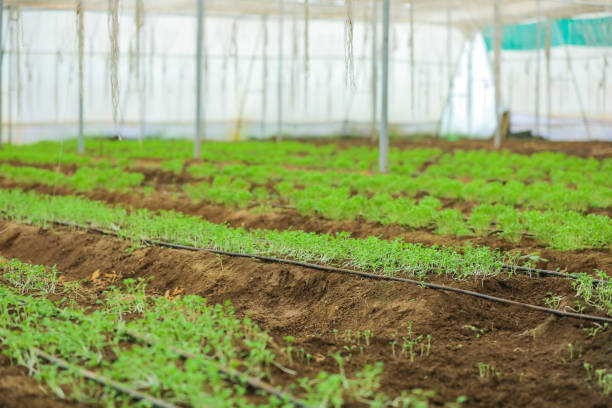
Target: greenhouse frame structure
[466,16]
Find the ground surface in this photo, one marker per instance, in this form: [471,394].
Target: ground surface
[529,350]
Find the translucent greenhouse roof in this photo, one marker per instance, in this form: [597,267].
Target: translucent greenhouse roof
[465,13]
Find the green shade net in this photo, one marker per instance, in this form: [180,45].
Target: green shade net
[589,32]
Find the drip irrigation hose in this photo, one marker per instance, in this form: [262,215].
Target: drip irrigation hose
[527,271]
[100,379]
[547,272]
[366,275]
[232,374]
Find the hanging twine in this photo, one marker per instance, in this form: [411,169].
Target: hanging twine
[113,33]
[348,45]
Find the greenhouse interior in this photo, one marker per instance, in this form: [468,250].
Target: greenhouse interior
[306,203]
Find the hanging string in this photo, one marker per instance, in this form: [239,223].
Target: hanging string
[348,45]
[113,32]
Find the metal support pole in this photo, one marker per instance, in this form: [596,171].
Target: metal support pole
[143,89]
[1,65]
[279,96]
[470,85]
[200,33]
[10,81]
[139,20]
[548,83]
[412,70]
[374,69]
[383,161]
[538,74]
[449,44]
[449,64]
[497,40]
[80,27]
[264,74]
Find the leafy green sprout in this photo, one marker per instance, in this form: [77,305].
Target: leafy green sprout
[552,301]
[486,370]
[592,331]
[289,340]
[368,335]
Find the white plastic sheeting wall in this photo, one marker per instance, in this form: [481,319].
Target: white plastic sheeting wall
[40,95]
[46,105]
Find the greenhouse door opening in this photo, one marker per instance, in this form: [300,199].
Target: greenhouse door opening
[470,109]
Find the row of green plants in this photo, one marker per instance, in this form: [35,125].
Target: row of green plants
[83,179]
[287,153]
[474,164]
[371,254]
[561,230]
[505,166]
[538,195]
[100,338]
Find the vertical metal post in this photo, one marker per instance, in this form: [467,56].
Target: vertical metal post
[279,96]
[497,40]
[412,70]
[1,65]
[548,82]
[538,74]
[80,16]
[139,20]
[449,44]
[264,79]
[10,80]
[143,87]
[374,68]
[383,160]
[449,64]
[200,31]
[470,85]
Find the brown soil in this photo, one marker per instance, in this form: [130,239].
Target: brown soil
[282,219]
[528,348]
[18,389]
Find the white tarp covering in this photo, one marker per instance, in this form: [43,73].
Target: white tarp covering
[470,110]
